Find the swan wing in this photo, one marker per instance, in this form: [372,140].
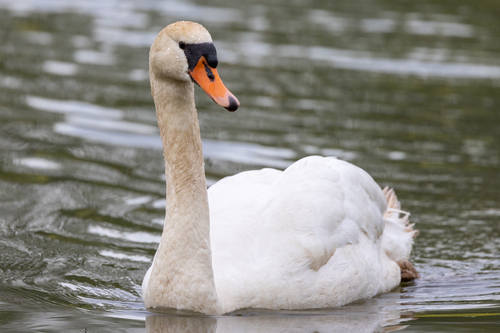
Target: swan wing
[293,238]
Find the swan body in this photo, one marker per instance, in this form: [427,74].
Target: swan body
[319,234]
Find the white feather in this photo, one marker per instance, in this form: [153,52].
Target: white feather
[307,237]
[319,234]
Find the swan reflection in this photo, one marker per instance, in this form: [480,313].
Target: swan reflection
[352,321]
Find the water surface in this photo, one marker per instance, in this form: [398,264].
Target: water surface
[409,91]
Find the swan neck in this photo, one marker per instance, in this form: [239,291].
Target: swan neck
[182,275]
[182,151]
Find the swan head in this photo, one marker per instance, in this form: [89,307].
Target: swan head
[184,51]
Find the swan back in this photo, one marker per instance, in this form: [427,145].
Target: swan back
[309,236]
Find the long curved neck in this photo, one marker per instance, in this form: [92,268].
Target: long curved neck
[182,275]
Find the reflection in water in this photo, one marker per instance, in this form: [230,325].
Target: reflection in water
[37,163]
[320,323]
[361,61]
[72,107]
[381,314]
[159,324]
[60,68]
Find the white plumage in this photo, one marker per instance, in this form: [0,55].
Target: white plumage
[308,237]
[319,234]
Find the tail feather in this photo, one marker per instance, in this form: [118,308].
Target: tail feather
[394,210]
[392,199]
[397,240]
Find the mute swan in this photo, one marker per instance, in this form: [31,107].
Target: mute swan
[320,234]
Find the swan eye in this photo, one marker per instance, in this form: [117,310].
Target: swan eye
[182,45]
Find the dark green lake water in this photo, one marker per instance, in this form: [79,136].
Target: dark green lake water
[407,90]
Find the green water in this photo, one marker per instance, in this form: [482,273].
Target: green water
[409,91]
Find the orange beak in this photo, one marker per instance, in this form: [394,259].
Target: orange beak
[208,79]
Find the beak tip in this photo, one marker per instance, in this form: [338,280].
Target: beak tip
[233,104]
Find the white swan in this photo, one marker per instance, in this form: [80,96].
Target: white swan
[319,234]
